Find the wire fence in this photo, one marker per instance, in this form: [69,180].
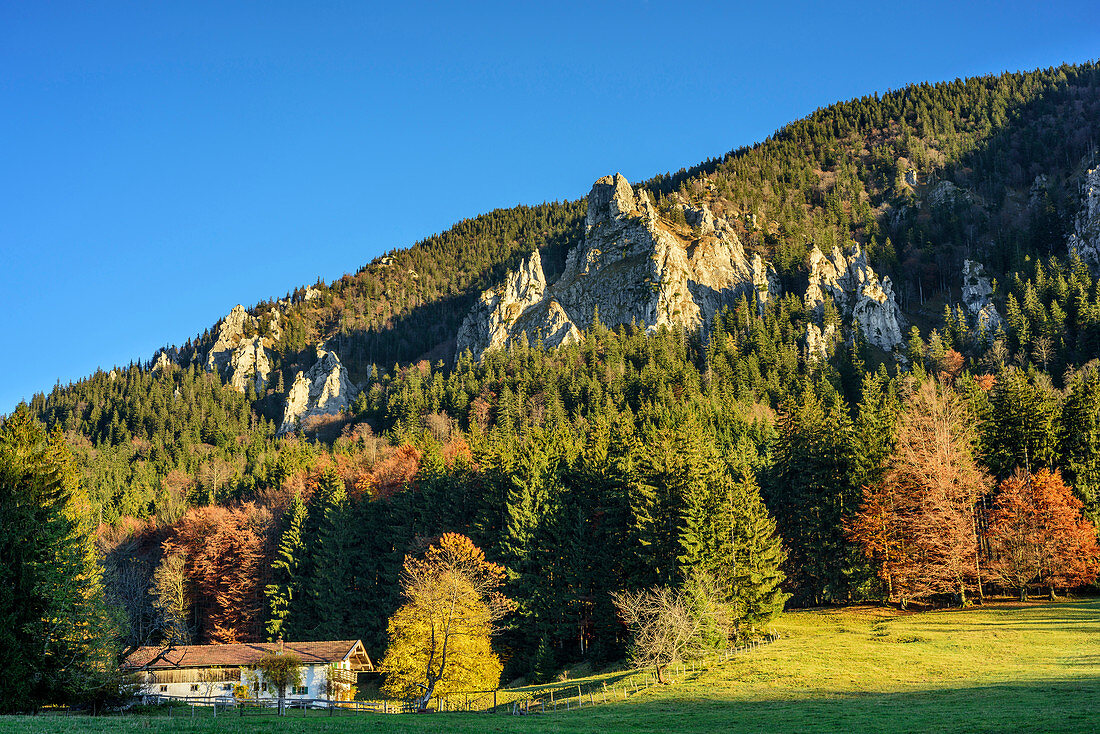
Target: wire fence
[574,695]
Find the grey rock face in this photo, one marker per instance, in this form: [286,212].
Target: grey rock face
[241,359]
[857,292]
[274,325]
[230,332]
[977,295]
[249,359]
[324,389]
[1085,238]
[818,341]
[487,326]
[163,360]
[945,193]
[633,266]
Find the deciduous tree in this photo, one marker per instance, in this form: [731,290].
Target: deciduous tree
[440,637]
[920,524]
[281,670]
[1037,536]
[668,624]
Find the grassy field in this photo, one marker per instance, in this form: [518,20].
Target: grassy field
[1006,667]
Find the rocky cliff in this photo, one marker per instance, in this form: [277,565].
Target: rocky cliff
[324,389]
[819,341]
[240,353]
[1085,238]
[633,266]
[977,295]
[858,293]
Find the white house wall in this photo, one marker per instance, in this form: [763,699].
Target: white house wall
[313,677]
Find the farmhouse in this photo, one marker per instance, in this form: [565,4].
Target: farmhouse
[215,671]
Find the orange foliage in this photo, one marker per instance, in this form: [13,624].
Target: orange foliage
[392,474]
[952,366]
[918,525]
[1037,536]
[457,450]
[986,382]
[479,411]
[224,550]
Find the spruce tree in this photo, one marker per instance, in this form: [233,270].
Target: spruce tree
[812,491]
[56,632]
[332,573]
[286,581]
[1079,438]
[757,558]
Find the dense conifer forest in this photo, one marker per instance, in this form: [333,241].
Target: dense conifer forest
[629,459]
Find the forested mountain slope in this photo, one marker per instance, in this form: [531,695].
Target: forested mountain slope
[336,430]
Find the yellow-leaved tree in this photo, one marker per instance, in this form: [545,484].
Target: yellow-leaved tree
[440,638]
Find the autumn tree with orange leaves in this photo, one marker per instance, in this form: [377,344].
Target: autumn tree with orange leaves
[920,525]
[1038,537]
[223,551]
[392,474]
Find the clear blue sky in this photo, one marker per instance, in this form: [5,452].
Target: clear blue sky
[161,162]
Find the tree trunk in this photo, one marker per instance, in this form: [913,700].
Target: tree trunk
[1023,593]
[1052,595]
[661,675]
[426,696]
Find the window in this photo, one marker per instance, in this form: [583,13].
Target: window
[227,686]
[299,691]
[194,686]
[164,689]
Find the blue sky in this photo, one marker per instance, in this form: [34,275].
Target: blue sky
[161,162]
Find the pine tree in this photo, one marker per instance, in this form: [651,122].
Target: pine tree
[56,632]
[332,574]
[757,557]
[286,581]
[1079,438]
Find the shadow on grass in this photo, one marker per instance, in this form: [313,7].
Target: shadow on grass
[1062,705]
[1048,706]
[1067,615]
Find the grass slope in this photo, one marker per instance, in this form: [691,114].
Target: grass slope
[1008,667]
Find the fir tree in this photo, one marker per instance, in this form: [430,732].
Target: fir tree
[286,582]
[56,632]
[757,558]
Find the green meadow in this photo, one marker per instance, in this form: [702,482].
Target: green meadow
[1002,667]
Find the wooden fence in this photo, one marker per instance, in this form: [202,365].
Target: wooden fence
[562,696]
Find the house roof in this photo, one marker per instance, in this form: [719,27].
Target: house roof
[244,653]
